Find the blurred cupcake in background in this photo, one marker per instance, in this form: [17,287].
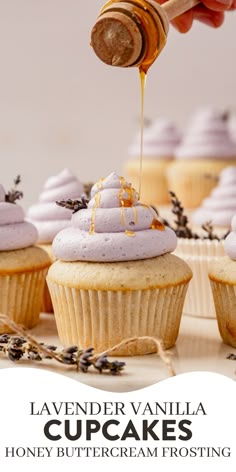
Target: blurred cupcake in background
[220,207]
[160,140]
[49,218]
[206,149]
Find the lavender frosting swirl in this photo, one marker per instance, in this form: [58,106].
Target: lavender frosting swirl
[49,218]
[114,227]
[230,241]
[208,137]
[15,233]
[160,140]
[220,206]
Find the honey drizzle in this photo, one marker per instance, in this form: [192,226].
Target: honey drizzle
[97,199]
[99,184]
[126,203]
[129,233]
[142,76]
[157,225]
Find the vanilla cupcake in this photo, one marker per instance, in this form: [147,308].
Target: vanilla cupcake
[23,266]
[220,207]
[206,149]
[49,218]
[159,143]
[115,278]
[222,275]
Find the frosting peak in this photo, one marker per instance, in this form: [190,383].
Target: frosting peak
[49,218]
[114,227]
[207,137]
[220,206]
[230,241]
[2,193]
[15,233]
[160,140]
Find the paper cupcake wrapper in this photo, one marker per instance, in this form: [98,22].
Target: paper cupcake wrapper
[154,182]
[191,190]
[47,302]
[191,179]
[102,319]
[199,254]
[225,303]
[46,306]
[21,297]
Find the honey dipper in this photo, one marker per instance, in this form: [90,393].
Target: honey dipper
[133,32]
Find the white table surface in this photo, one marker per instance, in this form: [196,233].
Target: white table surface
[198,348]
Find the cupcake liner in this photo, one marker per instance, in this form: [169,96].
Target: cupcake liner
[225,303]
[199,254]
[154,190]
[21,297]
[46,306]
[47,302]
[102,319]
[193,180]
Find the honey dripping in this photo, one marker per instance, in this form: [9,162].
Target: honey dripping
[97,199]
[131,33]
[154,40]
[142,76]
[126,201]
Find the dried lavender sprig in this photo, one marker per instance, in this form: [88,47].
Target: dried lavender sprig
[74,205]
[98,359]
[16,347]
[231,356]
[182,229]
[13,195]
[208,227]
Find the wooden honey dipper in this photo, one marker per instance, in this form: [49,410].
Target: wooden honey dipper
[133,32]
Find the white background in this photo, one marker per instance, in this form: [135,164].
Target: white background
[60,106]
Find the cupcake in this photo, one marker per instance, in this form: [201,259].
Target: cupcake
[222,275]
[23,266]
[115,277]
[159,143]
[50,218]
[220,207]
[206,149]
[198,250]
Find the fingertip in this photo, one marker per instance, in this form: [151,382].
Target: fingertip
[213,19]
[218,19]
[183,23]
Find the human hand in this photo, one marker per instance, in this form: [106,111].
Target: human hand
[210,12]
